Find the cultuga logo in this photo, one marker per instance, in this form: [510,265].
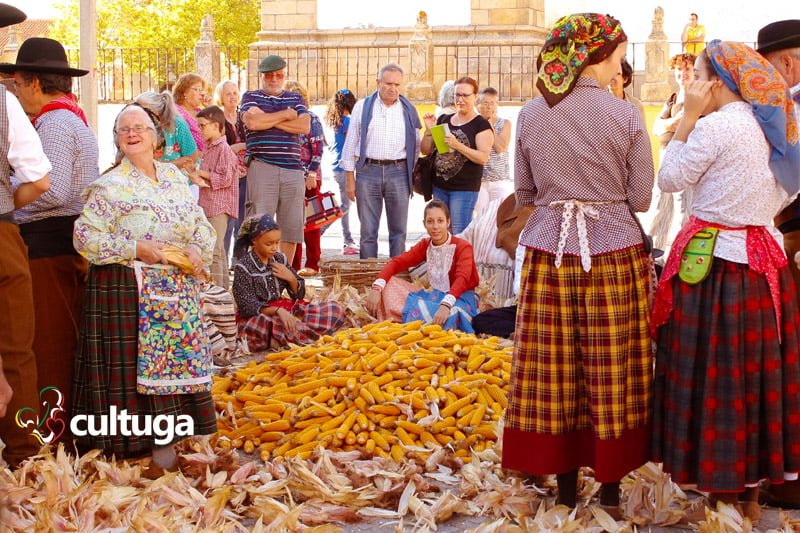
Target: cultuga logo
[50,425]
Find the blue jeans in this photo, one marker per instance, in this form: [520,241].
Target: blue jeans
[341,179]
[461,204]
[376,184]
[235,223]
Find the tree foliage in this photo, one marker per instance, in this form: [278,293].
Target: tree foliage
[161,23]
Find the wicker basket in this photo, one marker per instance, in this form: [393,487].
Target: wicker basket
[358,273]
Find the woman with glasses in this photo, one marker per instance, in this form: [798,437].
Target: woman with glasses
[497,182]
[469,138]
[189,91]
[132,214]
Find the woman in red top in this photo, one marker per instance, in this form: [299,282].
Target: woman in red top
[452,273]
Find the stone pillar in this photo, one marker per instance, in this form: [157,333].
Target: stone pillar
[420,54]
[88,60]
[206,53]
[656,87]
[288,15]
[507,13]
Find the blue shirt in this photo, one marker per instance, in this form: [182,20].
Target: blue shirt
[273,146]
[338,141]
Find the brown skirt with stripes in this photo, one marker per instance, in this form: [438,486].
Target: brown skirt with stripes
[582,374]
[105,368]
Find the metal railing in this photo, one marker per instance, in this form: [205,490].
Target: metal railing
[511,69]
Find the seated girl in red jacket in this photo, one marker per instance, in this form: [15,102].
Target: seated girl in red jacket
[451,302]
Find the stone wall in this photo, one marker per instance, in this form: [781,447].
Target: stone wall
[499,48]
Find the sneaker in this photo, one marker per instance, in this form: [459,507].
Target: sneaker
[350,249]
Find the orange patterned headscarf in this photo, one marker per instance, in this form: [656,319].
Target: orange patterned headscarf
[746,72]
[575,42]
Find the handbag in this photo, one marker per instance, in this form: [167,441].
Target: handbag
[422,176]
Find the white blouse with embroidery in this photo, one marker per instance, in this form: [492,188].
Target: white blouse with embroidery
[725,162]
[440,260]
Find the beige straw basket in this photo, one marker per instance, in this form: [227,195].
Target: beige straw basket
[358,273]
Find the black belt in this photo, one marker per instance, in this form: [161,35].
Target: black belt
[7,217]
[383,162]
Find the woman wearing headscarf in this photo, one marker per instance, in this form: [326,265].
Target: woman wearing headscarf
[262,276]
[582,369]
[728,363]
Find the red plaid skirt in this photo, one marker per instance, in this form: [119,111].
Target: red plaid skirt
[316,320]
[727,394]
[583,365]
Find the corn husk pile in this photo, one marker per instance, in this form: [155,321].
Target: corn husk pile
[434,453]
[399,390]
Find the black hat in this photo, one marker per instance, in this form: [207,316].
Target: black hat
[10,15]
[779,36]
[43,56]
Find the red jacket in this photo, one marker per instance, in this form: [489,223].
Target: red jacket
[463,273]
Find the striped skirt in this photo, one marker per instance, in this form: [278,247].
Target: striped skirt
[316,320]
[583,364]
[727,394]
[105,367]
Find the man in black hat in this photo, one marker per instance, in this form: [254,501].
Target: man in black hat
[43,80]
[271,121]
[779,43]
[20,149]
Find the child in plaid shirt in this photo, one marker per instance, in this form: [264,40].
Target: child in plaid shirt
[219,192]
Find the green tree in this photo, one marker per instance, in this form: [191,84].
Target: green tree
[161,23]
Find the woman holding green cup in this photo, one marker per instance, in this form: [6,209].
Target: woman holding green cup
[464,141]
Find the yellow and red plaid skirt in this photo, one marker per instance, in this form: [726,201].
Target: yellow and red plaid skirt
[582,375]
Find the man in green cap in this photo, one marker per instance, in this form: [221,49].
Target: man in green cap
[271,121]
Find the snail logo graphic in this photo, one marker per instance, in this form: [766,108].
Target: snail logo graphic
[49,426]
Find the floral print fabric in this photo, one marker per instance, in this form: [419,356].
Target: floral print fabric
[174,355]
[124,206]
[574,40]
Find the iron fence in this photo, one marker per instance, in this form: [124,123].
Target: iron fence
[122,73]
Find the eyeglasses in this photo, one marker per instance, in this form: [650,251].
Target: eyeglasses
[197,89]
[139,128]
[463,96]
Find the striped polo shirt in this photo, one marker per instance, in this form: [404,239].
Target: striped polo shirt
[273,146]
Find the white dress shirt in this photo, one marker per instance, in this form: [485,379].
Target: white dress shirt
[386,134]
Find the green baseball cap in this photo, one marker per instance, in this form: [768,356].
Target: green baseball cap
[271,63]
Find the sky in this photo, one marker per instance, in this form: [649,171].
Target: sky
[725,19]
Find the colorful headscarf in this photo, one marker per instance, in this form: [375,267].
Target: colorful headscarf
[251,229]
[575,42]
[746,72]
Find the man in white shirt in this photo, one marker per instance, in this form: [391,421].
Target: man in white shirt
[779,43]
[378,158]
[20,149]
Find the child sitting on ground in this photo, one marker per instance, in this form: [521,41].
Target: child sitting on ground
[261,276]
[452,273]
[219,192]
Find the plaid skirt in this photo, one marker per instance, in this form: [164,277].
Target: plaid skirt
[316,320]
[105,367]
[583,364]
[727,394]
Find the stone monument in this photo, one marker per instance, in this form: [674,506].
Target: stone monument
[656,87]
[420,54]
[206,53]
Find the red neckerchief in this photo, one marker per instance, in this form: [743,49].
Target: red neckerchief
[764,256]
[65,101]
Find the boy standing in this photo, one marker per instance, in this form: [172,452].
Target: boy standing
[219,198]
